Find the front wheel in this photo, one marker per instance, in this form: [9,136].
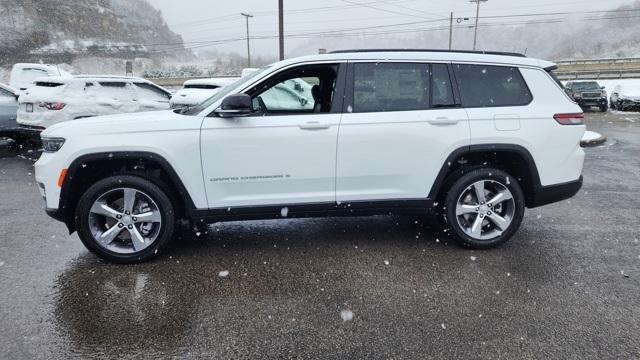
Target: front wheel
[125,219]
[484,208]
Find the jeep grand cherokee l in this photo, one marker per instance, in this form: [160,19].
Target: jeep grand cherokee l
[473,137]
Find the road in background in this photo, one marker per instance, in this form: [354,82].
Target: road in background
[565,287]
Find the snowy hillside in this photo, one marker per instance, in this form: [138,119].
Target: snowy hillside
[53,27]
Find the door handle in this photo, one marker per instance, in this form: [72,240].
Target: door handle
[314,125]
[442,121]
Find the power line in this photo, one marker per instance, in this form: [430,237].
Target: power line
[351,32]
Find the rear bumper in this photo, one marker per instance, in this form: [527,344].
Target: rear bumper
[546,195]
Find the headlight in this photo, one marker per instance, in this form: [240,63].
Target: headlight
[52,145]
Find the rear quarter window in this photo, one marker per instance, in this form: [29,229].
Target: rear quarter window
[491,86]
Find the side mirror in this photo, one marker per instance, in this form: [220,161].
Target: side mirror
[235,106]
[602,87]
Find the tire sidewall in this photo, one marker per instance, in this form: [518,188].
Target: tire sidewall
[152,190]
[462,184]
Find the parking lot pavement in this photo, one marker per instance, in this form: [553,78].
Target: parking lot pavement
[566,287]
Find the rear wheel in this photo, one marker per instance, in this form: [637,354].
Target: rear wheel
[604,108]
[484,208]
[125,219]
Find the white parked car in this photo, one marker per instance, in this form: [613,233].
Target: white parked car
[58,99]
[24,76]
[198,90]
[625,97]
[474,138]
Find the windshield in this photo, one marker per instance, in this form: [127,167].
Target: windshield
[586,86]
[227,90]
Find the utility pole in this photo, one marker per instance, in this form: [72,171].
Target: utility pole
[281,27]
[247,16]
[451,32]
[475,36]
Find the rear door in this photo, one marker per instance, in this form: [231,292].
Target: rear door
[116,97]
[150,97]
[400,124]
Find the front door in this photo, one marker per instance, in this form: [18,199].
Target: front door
[285,152]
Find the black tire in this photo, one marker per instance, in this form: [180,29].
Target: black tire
[155,192]
[462,185]
[604,108]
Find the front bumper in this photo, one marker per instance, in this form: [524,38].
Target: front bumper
[546,195]
[57,214]
[592,102]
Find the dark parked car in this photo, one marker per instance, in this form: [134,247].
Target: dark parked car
[588,94]
[8,111]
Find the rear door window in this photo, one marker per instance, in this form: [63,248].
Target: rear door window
[490,86]
[150,92]
[116,90]
[6,93]
[381,87]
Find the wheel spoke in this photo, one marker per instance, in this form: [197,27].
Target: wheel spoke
[499,221]
[108,236]
[479,190]
[129,200]
[103,209]
[500,198]
[149,217]
[476,229]
[136,239]
[463,209]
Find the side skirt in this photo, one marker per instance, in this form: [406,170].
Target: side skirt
[297,211]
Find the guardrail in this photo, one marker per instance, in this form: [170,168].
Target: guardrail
[618,68]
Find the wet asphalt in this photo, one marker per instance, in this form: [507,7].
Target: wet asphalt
[566,287]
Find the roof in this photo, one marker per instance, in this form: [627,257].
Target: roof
[213,81]
[8,88]
[427,55]
[68,79]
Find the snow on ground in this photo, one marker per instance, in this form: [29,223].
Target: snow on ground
[591,136]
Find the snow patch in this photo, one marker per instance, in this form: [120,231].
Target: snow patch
[346,315]
[223,274]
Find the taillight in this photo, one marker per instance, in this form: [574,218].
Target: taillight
[53,106]
[569,119]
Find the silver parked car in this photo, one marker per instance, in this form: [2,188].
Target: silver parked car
[8,111]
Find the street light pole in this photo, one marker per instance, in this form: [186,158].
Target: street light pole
[247,16]
[475,36]
[451,31]
[281,27]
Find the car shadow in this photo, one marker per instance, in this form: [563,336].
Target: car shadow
[301,268]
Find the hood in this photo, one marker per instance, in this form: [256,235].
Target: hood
[143,122]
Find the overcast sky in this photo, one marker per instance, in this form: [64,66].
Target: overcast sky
[203,21]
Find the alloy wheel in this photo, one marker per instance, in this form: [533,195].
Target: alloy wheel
[485,210]
[125,221]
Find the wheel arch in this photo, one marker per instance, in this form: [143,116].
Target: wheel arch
[87,169]
[514,159]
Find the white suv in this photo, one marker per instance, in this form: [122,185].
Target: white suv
[474,138]
[63,98]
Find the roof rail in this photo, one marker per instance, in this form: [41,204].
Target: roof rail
[430,50]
